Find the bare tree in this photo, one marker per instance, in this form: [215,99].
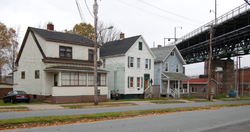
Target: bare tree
[105,34]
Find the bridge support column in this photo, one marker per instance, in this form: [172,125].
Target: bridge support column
[228,81]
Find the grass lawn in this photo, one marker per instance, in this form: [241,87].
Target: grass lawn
[22,107]
[10,104]
[27,122]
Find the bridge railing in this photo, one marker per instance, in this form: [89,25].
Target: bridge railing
[236,11]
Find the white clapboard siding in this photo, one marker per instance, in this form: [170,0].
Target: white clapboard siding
[77,91]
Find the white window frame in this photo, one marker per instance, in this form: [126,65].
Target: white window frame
[212,89]
[139,63]
[193,88]
[166,66]
[131,61]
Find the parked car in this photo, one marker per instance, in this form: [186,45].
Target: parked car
[16,96]
[115,95]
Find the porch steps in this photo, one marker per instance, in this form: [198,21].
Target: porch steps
[48,99]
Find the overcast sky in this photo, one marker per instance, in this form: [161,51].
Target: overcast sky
[153,19]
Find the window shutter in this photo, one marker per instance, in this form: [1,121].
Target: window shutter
[128,81]
[149,63]
[128,61]
[141,82]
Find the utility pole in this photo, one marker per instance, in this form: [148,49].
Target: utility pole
[237,88]
[95,53]
[210,63]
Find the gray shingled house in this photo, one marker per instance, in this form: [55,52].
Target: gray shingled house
[169,72]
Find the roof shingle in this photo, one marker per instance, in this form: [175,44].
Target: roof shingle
[118,47]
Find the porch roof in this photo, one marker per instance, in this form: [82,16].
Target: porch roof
[75,69]
[174,76]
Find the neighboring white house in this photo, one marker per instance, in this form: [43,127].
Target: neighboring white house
[169,71]
[130,63]
[58,66]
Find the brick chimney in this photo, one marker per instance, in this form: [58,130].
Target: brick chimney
[50,26]
[122,35]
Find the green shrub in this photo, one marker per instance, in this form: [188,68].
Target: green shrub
[219,96]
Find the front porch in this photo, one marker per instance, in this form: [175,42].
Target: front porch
[74,84]
[172,84]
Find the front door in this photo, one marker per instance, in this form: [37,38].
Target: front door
[55,79]
[146,83]
[146,80]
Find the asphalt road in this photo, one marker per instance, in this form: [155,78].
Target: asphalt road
[8,115]
[235,119]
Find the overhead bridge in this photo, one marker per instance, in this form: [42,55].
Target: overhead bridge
[231,37]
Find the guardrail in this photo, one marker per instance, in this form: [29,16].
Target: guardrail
[236,11]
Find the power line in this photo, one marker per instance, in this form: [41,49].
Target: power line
[88,9]
[156,14]
[170,12]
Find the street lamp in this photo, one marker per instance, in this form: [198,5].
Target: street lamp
[175,32]
[215,12]
[100,32]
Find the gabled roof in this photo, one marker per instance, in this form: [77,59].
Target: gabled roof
[162,53]
[53,35]
[118,47]
[199,81]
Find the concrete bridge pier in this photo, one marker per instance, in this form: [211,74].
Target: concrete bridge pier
[227,75]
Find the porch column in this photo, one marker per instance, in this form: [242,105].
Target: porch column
[168,92]
[179,89]
[59,79]
[188,87]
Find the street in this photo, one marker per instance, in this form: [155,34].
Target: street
[226,119]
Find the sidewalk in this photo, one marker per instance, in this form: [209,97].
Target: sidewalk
[45,106]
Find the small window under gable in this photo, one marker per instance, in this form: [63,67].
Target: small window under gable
[140,45]
[172,53]
[37,74]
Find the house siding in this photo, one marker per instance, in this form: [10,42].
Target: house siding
[30,61]
[116,75]
[138,72]
[77,91]
[172,62]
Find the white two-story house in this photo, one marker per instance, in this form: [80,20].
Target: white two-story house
[58,66]
[130,63]
[169,71]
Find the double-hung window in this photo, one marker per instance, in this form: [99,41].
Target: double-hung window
[140,46]
[194,89]
[146,63]
[177,67]
[91,54]
[65,52]
[131,61]
[37,74]
[138,62]
[131,82]
[166,67]
[138,82]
